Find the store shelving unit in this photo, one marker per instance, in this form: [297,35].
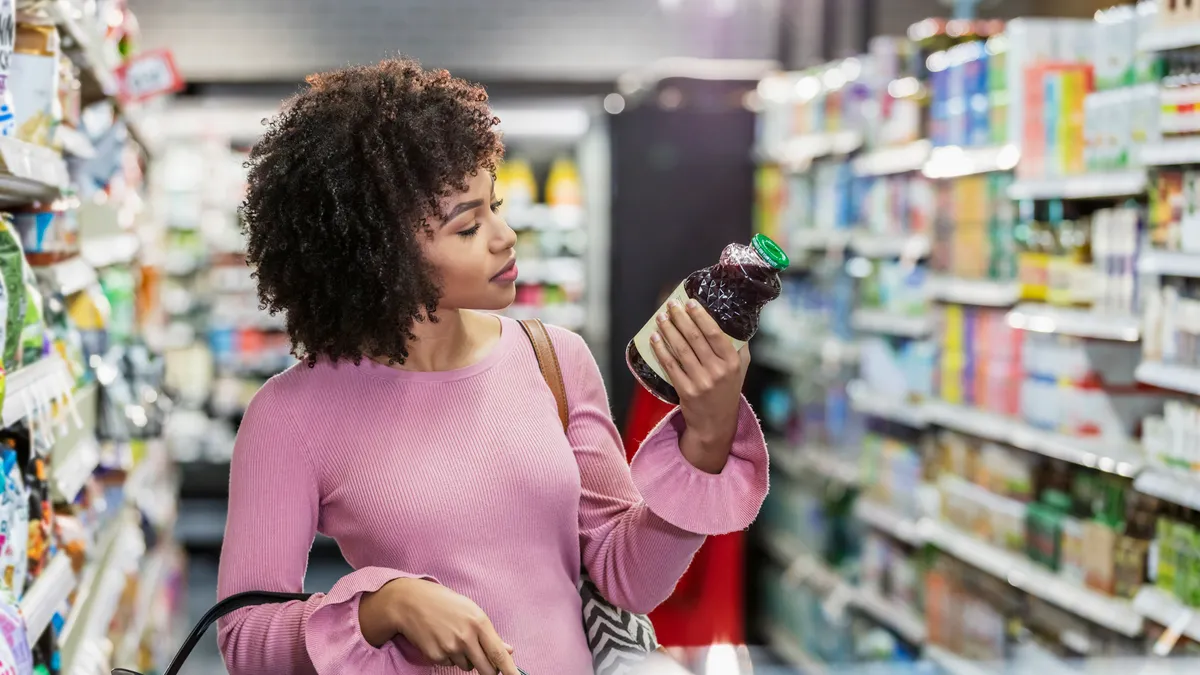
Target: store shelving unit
[1075,322]
[907,623]
[34,387]
[1170,376]
[980,292]
[790,649]
[52,588]
[868,402]
[953,663]
[1173,486]
[884,245]
[891,323]
[1171,152]
[29,173]
[957,162]
[890,521]
[1166,38]
[1121,458]
[1169,263]
[799,152]
[1082,186]
[888,161]
[1112,613]
[1162,608]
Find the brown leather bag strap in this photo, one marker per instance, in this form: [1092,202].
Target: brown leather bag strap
[547,360]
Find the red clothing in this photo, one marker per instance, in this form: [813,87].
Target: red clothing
[706,607]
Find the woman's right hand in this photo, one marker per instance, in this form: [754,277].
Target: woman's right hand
[446,627]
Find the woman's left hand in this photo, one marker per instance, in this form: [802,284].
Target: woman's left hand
[708,373]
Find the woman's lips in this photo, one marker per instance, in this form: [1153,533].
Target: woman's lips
[507,274]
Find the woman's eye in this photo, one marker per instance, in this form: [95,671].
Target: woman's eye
[471,232]
[496,205]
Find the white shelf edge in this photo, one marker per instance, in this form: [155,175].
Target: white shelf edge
[1176,487]
[68,477]
[909,624]
[981,292]
[798,152]
[1041,318]
[953,663]
[1169,376]
[890,161]
[1163,39]
[34,387]
[890,323]
[787,647]
[1162,608]
[49,590]
[1169,263]
[69,276]
[1111,457]
[1170,152]
[869,403]
[1081,186]
[882,246]
[801,566]
[825,463]
[883,518]
[956,161]
[1112,613]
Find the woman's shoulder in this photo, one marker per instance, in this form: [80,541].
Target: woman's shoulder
[293,392]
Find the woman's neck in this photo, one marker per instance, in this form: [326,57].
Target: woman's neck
[458,339]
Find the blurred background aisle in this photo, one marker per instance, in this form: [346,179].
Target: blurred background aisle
[980,384]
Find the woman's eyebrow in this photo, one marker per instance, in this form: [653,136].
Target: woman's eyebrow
[461,208]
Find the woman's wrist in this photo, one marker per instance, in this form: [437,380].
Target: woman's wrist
[379,614]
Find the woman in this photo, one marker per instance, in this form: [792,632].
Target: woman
[417,430]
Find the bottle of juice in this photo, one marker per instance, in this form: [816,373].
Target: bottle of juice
[733,291]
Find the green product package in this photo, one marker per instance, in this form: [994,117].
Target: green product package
[33,331]
[12,269]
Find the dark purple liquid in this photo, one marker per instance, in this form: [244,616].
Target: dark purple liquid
[734,291]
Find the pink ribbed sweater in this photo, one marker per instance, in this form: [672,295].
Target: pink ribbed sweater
[466,478]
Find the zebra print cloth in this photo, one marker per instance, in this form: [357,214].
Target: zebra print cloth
[620,640]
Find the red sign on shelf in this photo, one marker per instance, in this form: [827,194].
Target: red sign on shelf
[148,75]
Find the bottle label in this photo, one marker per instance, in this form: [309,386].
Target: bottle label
[642,339]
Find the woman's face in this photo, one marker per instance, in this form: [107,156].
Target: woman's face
[471,247]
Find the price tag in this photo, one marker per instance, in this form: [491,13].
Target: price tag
[148,75]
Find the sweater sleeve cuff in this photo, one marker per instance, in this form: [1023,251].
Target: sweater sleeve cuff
[333,635]
[696,501]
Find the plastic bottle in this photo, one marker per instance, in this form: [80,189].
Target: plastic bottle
[733,291]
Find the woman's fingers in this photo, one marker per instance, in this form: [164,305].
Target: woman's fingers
[479,658]
[681,317]
[678,344]
[716,339]
[667,360]
[498,653]
[462,662]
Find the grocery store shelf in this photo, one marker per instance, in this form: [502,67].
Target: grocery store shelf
[1081,186]
[954,161]
[818,240]
[891,323]
[785,359]
[1084,323]
[787,647]
[69,276]
[907,623]
[801,566]
[1169,263]
[980,292]
[868,402]
[1170,376]
[71,469]
[953,663]
[883,246]
[825,463]
[94,69]
[1171,151]
[29,173]
[1169,485]
[889,161]
[888,520]
[1161,39]
[74,142]
[33,387]
[797,153]
[118,249]
[150,584]
[1112,613]
[1123,459]
[52,588]
[1164,609]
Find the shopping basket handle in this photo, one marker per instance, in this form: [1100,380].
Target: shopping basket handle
[231,604]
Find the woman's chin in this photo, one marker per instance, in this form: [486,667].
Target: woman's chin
[498,300]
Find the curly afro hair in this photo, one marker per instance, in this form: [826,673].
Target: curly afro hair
[339,187]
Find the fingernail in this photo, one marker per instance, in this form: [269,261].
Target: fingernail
[673,304]
[663,317]
[692,304]
[655,337]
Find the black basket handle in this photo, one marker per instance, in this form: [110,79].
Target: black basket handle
[230,604]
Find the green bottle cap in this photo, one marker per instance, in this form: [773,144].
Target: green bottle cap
[770,251]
